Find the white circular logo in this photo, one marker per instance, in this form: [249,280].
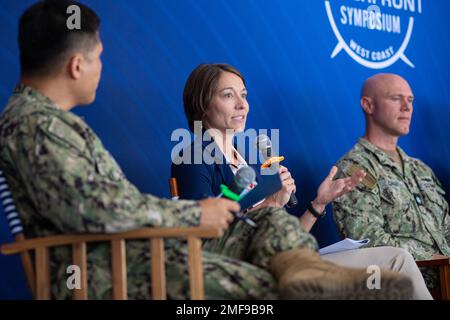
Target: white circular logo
[374,33]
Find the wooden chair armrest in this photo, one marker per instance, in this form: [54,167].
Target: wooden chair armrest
[434,262]
[144,233]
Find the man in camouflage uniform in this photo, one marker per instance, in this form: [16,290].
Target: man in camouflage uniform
[64,181]
[400,202]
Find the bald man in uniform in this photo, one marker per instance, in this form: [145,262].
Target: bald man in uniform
[400,202]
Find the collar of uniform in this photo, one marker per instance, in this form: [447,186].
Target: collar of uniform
[406,161]
[382,156]
[34,94]
[403,154]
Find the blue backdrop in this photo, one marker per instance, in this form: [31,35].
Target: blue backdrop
[284,49]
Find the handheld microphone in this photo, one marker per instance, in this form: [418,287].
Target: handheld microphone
[244,177]
[264,145]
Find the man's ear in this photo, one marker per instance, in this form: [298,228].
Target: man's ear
[367,104]
[75,66]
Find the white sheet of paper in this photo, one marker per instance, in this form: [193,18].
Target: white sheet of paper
[343,245]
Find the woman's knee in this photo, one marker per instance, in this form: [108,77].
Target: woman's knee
[399,252]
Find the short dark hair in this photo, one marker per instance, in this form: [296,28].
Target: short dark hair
[200,87]
[45,41]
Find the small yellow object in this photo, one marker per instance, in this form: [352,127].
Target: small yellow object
[271,161]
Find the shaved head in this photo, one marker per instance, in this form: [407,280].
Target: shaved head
[380,84]
[387,101]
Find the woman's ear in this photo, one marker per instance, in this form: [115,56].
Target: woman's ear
[75,66]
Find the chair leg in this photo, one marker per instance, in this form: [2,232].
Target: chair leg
[196,269]
[29,272]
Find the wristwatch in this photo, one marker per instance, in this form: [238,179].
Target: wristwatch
[313,211]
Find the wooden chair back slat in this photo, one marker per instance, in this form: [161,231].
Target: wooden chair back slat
[119,269]
[196,269]
[158,272]
[42,274]
[79,258]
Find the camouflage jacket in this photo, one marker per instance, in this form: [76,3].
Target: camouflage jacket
[393,208]
[64,181]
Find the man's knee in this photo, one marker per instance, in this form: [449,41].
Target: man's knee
[225,278]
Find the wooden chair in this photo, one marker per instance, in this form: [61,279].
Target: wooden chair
[443,264]
[37,272]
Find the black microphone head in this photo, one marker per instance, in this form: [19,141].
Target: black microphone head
[243,178]
[264,145]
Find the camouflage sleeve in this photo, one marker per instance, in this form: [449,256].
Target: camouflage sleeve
[358,215]
[447,226]
[444,205]
[82,189]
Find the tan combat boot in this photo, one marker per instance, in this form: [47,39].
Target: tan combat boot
[302,274]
